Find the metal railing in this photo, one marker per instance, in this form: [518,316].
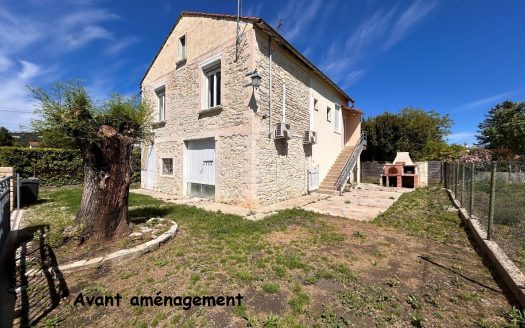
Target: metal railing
[5,210]
[351,162]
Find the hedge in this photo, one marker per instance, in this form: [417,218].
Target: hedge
[54,167]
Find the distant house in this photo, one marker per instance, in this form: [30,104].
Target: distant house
[215,136]
[34,144]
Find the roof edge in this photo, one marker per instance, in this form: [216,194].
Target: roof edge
[270,30]
[265,27]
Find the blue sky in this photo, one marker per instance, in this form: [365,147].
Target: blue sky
[456,57]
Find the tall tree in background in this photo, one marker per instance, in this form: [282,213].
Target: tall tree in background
[414,130]
[6,139]
[504,127]
[105,136]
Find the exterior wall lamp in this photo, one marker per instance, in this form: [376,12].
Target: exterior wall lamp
[255,79]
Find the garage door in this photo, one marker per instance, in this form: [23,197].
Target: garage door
[201,168]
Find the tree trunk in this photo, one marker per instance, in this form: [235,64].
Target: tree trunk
[103,211]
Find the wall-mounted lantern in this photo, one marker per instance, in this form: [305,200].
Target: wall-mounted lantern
[255,79]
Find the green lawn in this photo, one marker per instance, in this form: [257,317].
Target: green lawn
[297,269]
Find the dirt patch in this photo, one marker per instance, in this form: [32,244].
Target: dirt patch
[291,234]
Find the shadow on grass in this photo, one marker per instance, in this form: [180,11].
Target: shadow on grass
[148,212]
[426,258]
[36,284]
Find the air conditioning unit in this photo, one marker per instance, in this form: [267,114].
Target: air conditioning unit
[283,131]
[310,137]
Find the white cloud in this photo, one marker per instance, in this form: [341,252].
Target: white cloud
[17,32]
[14,95]
[369,31]
[29,70]
[5,63]
[86,35]
[37,34]
[84,17]
[353,77]
[414,14]
[296,16]
[120,45]
[375,34]
[53,30]
[487,100]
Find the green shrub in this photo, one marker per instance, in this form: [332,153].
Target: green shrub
[54,167]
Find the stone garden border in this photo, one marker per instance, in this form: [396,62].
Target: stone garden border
[506,269]
[117,257]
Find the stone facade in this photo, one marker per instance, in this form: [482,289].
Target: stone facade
[251,166]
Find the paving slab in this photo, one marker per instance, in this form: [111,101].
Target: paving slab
[363,202]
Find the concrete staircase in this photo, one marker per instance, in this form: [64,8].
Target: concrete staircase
[328,185]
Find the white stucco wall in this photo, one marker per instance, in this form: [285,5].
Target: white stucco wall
[329,142]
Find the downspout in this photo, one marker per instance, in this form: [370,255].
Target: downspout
[270,91]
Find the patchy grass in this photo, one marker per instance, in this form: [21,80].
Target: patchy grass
[300,269]
[420,213]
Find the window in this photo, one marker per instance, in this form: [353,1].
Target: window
[161,104]
[337,119]
[316,106]
[167,166]
[182,48]
[328,114]
[213,86]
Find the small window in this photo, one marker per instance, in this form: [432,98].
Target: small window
[213,86]
[161,104]
[316,106]
[167,166]
[182,48]
[328,114]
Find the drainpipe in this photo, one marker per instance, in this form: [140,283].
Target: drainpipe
[270,91]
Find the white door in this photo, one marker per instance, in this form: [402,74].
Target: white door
[201,168]
[150,165]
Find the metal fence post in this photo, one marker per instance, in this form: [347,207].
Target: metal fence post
[471,200]
[441,164]
[456,178]
[446,176]
[462,185]
[492,199]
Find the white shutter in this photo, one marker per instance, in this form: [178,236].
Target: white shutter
[201,161]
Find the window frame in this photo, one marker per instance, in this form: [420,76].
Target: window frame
[164,166]
[160,93]
[212,72]
[316,104]
[328,114]
[182,48]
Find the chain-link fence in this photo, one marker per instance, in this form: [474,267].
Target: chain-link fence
[493,193]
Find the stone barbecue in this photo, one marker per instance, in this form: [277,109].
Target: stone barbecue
[402,173]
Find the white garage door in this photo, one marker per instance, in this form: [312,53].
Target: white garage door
[201,168]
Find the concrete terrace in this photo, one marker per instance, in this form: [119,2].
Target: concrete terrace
[362,203]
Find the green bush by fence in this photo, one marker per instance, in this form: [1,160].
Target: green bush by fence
[54,167]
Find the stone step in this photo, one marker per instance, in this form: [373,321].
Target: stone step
[327,191]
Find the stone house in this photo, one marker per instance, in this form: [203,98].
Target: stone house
[218,133]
